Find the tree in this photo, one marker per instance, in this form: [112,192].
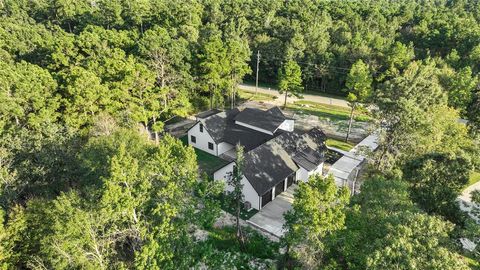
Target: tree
[28,96]
[238,54]
[290,80]
[436,181]
[213,65]
[359,84]
[384,229]
[405,105]
[84,97]
[235,181]
[473,114]
[317,211]
[460,86]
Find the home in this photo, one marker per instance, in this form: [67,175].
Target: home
[275,156]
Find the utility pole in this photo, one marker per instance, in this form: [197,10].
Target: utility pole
[256,79]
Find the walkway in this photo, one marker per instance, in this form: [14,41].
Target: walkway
[281,97]
[345,170]
[270,218]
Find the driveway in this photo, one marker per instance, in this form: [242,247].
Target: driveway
[281,97]
[270,218]
[466,203]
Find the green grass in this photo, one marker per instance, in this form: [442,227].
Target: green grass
[474,178]
[308,92]
[257,245]
[206,162]
[472,262]
[342,145]
[332,112]
[247,95]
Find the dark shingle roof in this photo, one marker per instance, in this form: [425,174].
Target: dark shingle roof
[222,128]
[208,113]
[268,120]
[273,161]
[309,158]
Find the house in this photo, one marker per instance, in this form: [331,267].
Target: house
[275,156]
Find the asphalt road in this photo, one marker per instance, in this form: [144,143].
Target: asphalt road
[280,97]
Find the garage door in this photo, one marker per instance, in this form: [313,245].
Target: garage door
[279,188]
[290,180]
[266,198]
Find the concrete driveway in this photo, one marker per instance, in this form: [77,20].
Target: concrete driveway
[466,204]
[270,218]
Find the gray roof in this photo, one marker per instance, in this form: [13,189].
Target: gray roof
[208,113]
[308,158]
[269,120]
[222,128]
[273,161]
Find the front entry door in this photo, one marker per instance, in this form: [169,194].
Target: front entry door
[266,198]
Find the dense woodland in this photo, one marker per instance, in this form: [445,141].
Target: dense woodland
[88,180]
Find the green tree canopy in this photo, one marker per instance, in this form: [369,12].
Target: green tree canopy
[290,80]
[317,212]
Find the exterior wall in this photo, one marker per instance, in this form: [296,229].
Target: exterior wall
[224,147]
[287,125]
[223,173]
[254,128]
[303,174]
[250,195]
[203,138]
[318,170]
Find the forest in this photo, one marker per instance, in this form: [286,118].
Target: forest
[89,180]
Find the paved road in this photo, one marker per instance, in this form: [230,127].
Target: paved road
[280,98]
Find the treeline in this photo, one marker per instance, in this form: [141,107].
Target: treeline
[80,188]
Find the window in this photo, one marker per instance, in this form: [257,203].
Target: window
[210,146]
[193,139]
[201,127]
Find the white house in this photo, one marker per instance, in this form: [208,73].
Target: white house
[275,155]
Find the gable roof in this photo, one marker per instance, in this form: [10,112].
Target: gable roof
[275,160]
[208,113]
[268,120]
[222,128]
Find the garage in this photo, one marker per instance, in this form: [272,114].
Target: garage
[266,198]
[290,180]
[279,188]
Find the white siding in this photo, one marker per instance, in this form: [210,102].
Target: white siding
[203,138]
[287,125]
[318,170]
[250,195]
[222,173]
[224,147]
[303,174]
[253,127]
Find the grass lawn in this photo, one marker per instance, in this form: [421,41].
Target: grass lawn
[342,145]
[206,162]
[257,245]
[247,95]
[472,262]
[474,178]
[328,111]
[309,92]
